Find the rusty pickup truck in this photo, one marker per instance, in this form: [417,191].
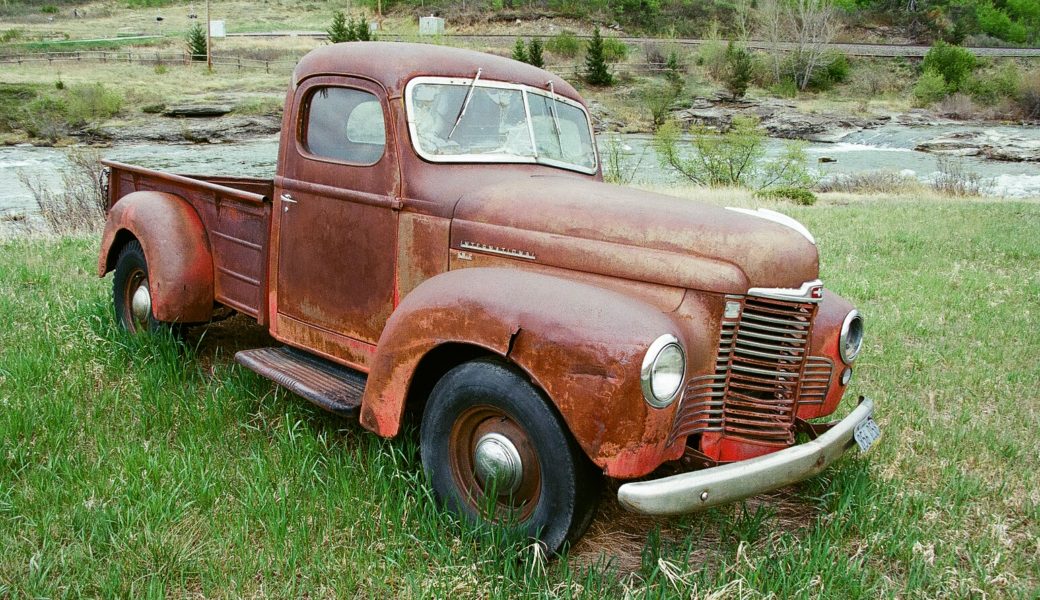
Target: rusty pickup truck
[438,237]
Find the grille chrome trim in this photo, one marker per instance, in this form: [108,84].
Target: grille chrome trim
[763,372]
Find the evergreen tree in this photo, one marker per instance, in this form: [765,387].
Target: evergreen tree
[596,72]
[739,70]
[361,31]
[339,31]
[196,39]
[520,51]
[534,53]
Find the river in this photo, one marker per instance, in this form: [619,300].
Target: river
[889,148]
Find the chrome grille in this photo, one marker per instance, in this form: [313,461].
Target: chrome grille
[761,375]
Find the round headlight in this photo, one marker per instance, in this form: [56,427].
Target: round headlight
[664,367]
[851,340]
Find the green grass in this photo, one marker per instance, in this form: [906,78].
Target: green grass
[132,467]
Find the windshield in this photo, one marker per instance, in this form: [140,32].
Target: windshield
[501,123]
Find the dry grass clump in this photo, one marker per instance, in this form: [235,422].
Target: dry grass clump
[955,179]
[78,203]
[870,182]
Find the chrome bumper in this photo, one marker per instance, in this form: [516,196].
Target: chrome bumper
[698,490]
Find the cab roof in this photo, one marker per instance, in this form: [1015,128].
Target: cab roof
[393,64]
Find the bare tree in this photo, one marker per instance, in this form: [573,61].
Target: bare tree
[744,19]
[811,24]
[770,21]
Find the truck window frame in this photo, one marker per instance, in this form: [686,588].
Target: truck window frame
[413,133]
[303,125]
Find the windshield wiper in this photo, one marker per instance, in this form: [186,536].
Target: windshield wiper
[555,116]
[465,103]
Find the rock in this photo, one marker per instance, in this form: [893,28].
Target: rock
[196,111]
[989,144]
[223,129]
[779,118]
[827,159]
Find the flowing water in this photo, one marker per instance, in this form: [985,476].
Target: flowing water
[889,148]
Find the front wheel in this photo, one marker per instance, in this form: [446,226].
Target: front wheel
[494,448]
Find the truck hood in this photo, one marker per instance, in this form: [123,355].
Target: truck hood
[595,227]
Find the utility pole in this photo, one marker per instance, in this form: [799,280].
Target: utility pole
[209,43]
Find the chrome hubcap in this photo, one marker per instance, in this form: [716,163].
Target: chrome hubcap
[496,459]
[141,302]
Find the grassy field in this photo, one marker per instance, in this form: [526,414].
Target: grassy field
[134,467]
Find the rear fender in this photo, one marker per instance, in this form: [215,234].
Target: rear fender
[582,345]
[180,263]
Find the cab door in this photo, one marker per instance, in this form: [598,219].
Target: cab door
[336,220]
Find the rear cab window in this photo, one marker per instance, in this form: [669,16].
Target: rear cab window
[344,124]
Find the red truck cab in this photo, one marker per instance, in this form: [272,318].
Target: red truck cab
[438,235]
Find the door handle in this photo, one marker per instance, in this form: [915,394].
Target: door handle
[288,198]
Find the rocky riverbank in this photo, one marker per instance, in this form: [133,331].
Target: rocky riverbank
[783,119]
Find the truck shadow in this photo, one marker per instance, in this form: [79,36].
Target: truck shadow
[630,543]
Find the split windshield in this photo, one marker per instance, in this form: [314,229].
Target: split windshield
[501,123]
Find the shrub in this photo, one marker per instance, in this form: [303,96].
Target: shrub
[88,104]
[615,168]
[930,88]
[786,88]
[798,195]
[735,158]
[49,9]
[739,70]
[712,56]
[564,44]
[520,51]
[10,35]
[991,88]
[196,39]
[835,70]
[596,71]
[953,63]
[534,53]
[1028,99]
[659,100]
[614,50]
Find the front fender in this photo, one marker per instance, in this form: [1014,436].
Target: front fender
[583,345]
[173,237]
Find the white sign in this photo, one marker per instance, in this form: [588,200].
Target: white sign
[216,29]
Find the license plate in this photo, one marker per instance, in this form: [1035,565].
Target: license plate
[866,433]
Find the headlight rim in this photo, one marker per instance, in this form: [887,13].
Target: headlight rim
[650,358]
[846,328]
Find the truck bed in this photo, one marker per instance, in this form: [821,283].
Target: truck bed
[236,212]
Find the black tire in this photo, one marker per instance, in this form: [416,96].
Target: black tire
[555,497]
[131,273]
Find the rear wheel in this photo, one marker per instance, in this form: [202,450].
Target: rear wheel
[495,449]
[130,291]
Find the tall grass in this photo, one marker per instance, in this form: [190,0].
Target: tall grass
[137,467]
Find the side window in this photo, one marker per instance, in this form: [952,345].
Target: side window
[344,124]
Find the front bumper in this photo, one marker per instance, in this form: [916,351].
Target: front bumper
[698,490]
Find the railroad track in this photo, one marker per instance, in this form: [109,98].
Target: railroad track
[507,40]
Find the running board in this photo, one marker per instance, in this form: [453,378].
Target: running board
[335,388]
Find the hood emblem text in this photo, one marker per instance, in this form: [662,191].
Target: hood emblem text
[497,250]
